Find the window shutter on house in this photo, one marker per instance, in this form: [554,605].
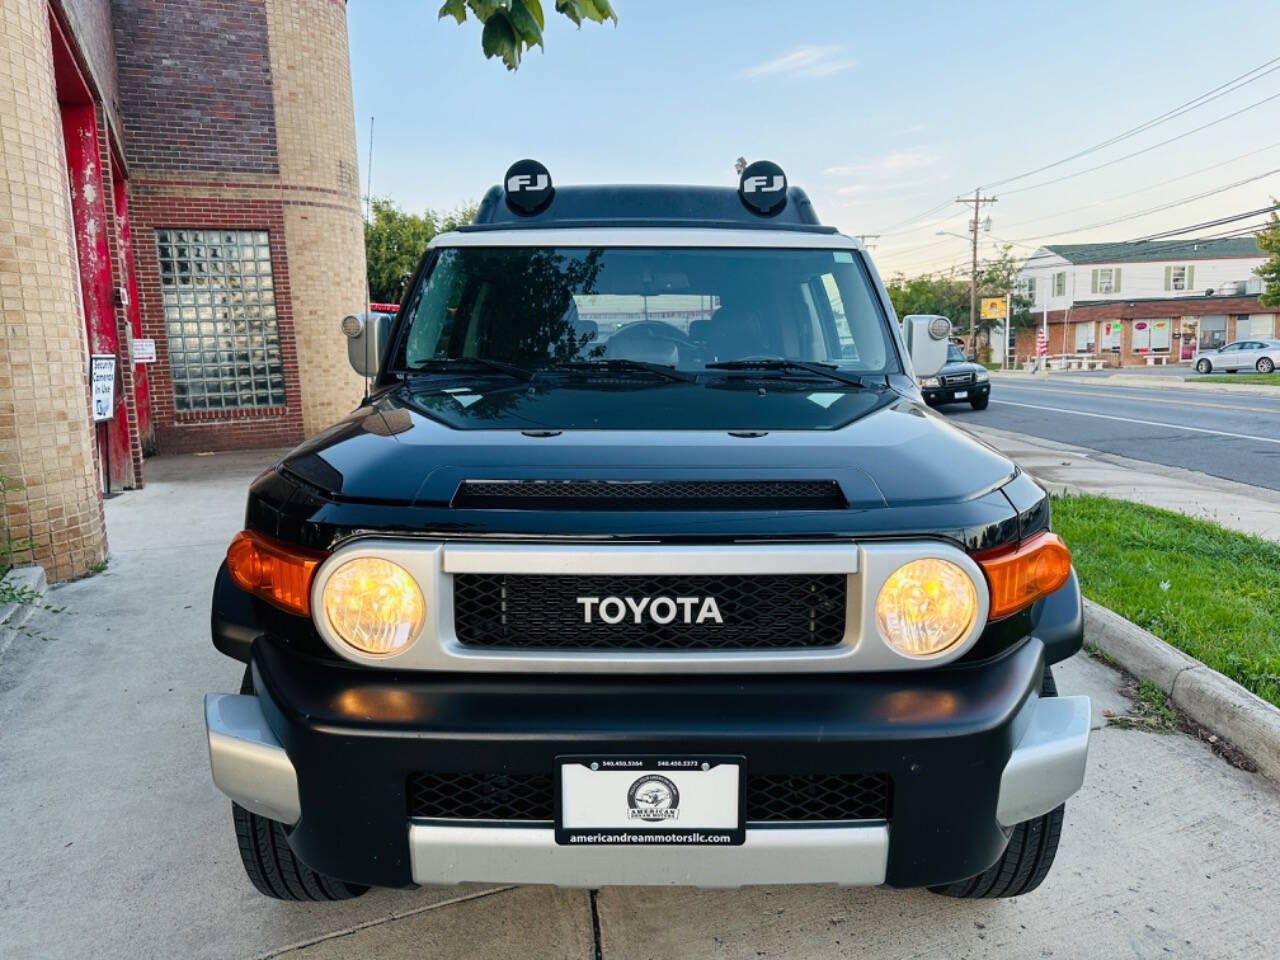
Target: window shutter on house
[1168,278]
[1115,280]
[1191,277]
[1095,281]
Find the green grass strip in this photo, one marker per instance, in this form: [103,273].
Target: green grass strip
[1268,379]
[1209,591]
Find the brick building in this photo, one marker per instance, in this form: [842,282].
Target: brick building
[1130,304]
[177,177]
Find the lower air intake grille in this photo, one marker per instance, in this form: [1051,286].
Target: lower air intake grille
[818,797]
[481,796]
[542,611]
[650,495]
[787,798]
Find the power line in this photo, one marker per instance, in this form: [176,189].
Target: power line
[1160,208]
[1193,104]
[1154,186]
[1137,153]
[1207,97]
[1206,223]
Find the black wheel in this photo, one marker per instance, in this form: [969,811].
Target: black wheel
[270,863]
[980,403]
[1026,861]
[1266,365]
[1203,366]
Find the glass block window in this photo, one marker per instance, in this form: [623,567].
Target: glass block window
[220,319]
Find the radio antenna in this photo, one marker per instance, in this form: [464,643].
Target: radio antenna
[368,220]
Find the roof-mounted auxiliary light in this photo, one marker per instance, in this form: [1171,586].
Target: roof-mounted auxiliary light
[528,188]
[762,187]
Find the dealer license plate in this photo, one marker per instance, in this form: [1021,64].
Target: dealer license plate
[662,800]
[961,394]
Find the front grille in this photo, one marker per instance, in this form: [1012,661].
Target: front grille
[481,796]
[650,495]
[530,797]
[541,611]
[957,380]
[791,797]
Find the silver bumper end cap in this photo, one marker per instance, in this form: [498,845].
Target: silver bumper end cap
[844,855]
[1047,765]
[247,761]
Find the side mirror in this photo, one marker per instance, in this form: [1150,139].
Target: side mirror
[367,335]
[927,337]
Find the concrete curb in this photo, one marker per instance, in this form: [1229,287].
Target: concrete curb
[1215,702]
[13,616]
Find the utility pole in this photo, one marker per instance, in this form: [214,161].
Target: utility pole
[977,200]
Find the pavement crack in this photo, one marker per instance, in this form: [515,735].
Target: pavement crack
[598,953]
[365,925]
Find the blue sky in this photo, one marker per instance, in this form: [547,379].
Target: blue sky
[880,111]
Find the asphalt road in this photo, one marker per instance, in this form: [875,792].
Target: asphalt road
[114,842]
[1233,436]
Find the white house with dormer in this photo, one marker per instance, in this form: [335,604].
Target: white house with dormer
[1155,301]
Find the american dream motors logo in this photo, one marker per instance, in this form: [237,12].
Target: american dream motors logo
[653,799]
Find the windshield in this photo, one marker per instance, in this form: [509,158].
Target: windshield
[684,308]
[955,354]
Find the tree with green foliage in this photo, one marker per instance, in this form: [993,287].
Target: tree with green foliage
[941,294]
[1269,240]
[395,240]
[513,26]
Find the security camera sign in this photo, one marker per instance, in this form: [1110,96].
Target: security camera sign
[102,386]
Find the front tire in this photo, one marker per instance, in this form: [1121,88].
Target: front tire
[1025,862]
[269,861]
[274,870]
[980,403]
[1266,365]
[1203,366]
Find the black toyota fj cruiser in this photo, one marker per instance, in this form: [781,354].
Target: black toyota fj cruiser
[644,562]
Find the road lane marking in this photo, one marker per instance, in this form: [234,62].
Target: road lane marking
[1145,423]
[1139,399]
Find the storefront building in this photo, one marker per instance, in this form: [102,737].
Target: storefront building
[1143,332]
[180,204]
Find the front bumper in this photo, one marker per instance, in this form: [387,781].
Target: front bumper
[936,395]
[971,749]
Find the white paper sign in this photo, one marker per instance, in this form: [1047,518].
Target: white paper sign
[144,350]
[102,386]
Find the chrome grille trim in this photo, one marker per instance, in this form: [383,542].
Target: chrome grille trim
[433,565]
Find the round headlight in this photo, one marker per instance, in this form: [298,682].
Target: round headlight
[374,605]
[926,606]
[352,325]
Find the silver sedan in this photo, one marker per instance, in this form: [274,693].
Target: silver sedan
[1260,355]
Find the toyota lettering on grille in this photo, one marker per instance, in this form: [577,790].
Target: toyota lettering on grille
[661,610]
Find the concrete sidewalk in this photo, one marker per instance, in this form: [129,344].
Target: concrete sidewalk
[1063,468]
[116,844]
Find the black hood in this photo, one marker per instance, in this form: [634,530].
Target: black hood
[895,453]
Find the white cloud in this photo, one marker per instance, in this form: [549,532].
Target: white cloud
[914,128]
[890,164]
[818,60]
[891,186]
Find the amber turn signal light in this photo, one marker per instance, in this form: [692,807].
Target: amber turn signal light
[1019,577]
[278,572]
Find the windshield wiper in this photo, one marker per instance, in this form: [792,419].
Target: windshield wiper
[450,364]
[783,365]
[623,365]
